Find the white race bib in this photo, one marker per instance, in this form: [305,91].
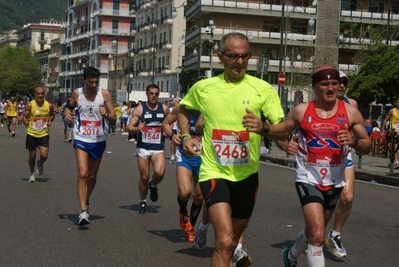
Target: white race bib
[151,135]
[39,124]
[230,147]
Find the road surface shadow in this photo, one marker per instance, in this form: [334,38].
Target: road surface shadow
[135,207]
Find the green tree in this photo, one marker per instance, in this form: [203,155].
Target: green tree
[19,71]
[378,78]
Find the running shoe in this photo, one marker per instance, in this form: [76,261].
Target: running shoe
[32,178]
[185,224]
[153,192]
[172,158]
[190,235]
[142,207]
[287,262]
[13,134]
[200,239]
[9,128]
[69,140]
[396,165]
[241,259]
[39,170]
[336,244]
[83,218]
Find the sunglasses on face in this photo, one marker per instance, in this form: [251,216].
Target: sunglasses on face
[151,93]
[235,57]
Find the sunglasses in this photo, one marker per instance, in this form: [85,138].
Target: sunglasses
[235,57]
[151,93]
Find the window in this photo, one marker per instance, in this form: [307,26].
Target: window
[376,7]
[115,24]
[116,5]
[42,36]
[395,7]
[267,26]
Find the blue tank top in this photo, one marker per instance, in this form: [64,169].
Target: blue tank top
[346,100]
[151,137]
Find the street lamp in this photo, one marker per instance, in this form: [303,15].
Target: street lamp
[214,46]
[174,12]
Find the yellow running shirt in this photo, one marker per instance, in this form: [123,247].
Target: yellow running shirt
[228,150]
[395,119]
[11,109]
[38,119]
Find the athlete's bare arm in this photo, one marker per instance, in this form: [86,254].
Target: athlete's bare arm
[387,117]
[51,115]
[169,120]
[131,128]
[359,131]
[72,103]
[199,126]
[25,117]
[109,106]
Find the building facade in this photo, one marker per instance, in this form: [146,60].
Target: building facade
[37,36]
[95,31]
[159,47]
[290,37]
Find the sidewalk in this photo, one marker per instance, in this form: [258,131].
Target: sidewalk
[368,168]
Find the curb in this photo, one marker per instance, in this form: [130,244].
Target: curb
[359,175]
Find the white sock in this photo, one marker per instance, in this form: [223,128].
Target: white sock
[145,200]
[203,227]
[334,233]
[315,256]
[301,244]
[238,248]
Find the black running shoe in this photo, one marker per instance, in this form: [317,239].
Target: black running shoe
[153,192]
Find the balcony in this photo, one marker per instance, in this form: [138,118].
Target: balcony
[115,12]
[42,40]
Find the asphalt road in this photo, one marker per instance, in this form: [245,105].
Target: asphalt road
[39,220]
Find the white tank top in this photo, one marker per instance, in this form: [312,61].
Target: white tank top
[90,126]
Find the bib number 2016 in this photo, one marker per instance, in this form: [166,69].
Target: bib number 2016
[91,131]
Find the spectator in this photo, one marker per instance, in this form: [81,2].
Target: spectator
[368,126]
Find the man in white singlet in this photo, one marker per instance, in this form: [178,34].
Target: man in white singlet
[93,110]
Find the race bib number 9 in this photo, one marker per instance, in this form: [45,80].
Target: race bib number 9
[91,128]
[230,147]
[151,135]
[39,124]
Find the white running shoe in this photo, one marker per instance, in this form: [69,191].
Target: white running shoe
[336,244]
[172,158]
[32,178]
[83,218]
[241,259]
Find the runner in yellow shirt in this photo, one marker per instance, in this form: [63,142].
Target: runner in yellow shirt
[38,116]
[231,104]
[11,115]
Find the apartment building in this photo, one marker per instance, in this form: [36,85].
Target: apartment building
[10,38]
[96,31]
[159,47]
[37,36]
[290,37]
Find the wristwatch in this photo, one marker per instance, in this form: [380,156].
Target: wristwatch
[265,130]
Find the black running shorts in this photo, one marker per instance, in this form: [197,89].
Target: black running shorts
[33,142]
[241,196]
[309,194]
